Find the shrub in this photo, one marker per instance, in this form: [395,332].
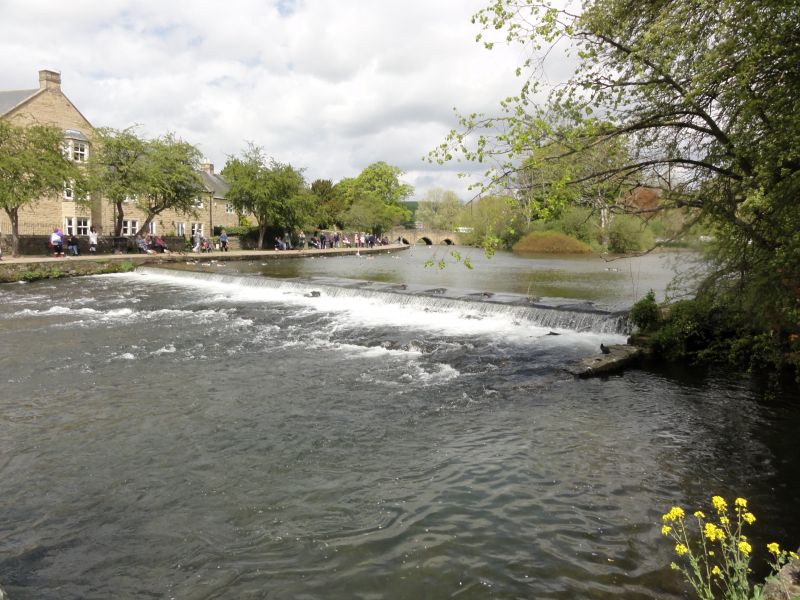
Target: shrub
[551,242]
[579,223]
[645,313]
[628,234]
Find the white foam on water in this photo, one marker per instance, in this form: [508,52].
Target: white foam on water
[375,310]
[168,349]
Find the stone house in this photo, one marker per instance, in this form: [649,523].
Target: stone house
[50,106]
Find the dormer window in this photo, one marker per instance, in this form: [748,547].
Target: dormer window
[76,145]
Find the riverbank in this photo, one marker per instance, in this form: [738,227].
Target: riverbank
[33,268]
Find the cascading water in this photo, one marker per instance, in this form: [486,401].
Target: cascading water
[328,293]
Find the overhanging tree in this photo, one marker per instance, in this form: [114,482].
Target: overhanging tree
[266,189]
[705,95]
[32,166]
[116,169]
[170,180]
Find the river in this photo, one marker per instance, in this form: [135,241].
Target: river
[360,427]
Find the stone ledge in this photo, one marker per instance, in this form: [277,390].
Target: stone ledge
[619,357]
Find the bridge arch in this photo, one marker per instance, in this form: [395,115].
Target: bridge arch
[429,237]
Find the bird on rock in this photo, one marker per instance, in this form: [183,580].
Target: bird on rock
[604,349]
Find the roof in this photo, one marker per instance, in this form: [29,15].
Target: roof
[9,100]
[214,184]
[74,134]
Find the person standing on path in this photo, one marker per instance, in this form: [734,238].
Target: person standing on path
[92,240]
[57,243]
[223,241]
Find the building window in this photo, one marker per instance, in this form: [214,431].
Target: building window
[180,229]
[75,149]
[198,203]
[151,228]
[129,227]
[69,193]
[82,225]
[69,225]
[80,151]
[197,227]
[229,208]
[129,199]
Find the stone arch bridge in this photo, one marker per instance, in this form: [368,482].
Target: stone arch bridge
[429,237]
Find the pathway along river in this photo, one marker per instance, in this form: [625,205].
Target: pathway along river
[174,434]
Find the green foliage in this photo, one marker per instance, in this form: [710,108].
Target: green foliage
[439,210]
[645,314]
[32,165]
[374,199]
[169,179]
[241,231]
[580,223]
[274,193]
[628,234]
[496,221]
[115,170]
[701,99]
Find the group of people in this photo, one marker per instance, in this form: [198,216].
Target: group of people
[201,244]
[150,245]
[342,240]
[58,239]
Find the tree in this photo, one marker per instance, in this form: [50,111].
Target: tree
[705,96]
[440,209]
[267,189]
[377,197]
[115,171]
[32,165]
[169,178]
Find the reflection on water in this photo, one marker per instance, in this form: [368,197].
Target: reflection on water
[180,437]
[613,284]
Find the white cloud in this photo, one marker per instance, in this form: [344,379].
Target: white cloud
[329,86]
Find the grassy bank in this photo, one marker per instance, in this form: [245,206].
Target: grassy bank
[15,272]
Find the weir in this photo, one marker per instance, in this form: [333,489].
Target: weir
[580,317]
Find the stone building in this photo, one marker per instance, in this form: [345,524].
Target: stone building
[48,105]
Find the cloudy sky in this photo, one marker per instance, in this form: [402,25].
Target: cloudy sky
[328,85]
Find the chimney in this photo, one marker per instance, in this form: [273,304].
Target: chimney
[207,168]
[49,80]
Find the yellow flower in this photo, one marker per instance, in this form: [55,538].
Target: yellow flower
[724,520]
[794,555]
[675,513]
[699,514]
[740,502]
[749,518]
[716,571]
[774,548]
[665,530]
[680,549]
[713,533]
[719,503]
[745,548]
[673,566]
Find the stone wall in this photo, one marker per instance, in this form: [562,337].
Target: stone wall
[36,245]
